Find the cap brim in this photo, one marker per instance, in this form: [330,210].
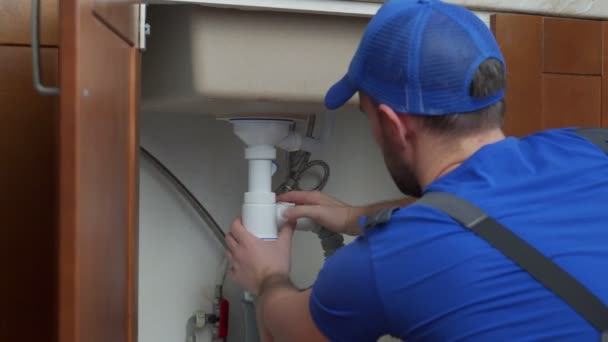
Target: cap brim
[340,93]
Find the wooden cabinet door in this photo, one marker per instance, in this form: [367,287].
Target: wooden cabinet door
[27,196]
[605,75]
[98,172]
[555,72]
[15,22]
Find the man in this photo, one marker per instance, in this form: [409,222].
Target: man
[431,79]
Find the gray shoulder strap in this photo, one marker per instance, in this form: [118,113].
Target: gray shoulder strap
[598,136]
[379,217]
[526,256]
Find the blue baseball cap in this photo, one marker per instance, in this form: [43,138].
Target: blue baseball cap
[420,57]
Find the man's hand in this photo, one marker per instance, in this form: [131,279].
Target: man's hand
[332,214]
[253,260]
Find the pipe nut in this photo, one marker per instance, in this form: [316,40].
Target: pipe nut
[263,152]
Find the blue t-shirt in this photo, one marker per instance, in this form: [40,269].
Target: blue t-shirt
[423,277]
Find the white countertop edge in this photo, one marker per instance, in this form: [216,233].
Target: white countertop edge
[334,7]
[330,7]
[367,9]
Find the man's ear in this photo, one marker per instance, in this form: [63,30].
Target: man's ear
[393,126]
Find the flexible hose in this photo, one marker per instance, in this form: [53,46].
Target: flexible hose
[310,165]
[194,202]
[330,241]
[299,164]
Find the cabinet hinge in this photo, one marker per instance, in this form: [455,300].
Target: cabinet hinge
[143,28]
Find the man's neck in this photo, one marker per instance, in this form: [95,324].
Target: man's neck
[439,157]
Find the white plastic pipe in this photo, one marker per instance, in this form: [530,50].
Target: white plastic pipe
[260,220]
[260,175]
[262,216]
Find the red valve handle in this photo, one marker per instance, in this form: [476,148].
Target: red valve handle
[222,330]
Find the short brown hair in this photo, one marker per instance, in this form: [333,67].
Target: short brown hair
[489,79]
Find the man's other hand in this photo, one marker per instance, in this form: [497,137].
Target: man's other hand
[324,210]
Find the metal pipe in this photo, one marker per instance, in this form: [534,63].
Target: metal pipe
[191,329]
[249,320]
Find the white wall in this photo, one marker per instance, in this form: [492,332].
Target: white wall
[179,257]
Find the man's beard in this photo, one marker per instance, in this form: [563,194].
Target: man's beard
[402,173]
